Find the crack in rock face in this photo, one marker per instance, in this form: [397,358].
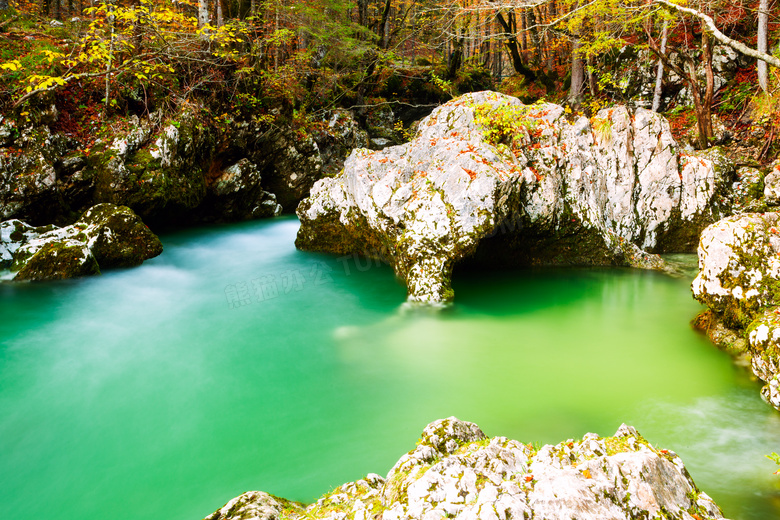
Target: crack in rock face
[456,471]
[600,191]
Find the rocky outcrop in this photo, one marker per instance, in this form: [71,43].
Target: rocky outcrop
[772,186]
[739,267]
[106,236]
[739,280]
[456,471]
[541,188]
[180,169]
[256,505]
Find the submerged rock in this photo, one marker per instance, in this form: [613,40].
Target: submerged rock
[547,191]
[739,280]
[456,471]
[106,236]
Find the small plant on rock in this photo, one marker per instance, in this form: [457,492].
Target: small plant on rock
[774,457]
[503,125]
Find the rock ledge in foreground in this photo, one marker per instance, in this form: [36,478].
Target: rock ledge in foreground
[456,471]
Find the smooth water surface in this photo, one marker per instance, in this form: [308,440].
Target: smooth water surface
[234,362]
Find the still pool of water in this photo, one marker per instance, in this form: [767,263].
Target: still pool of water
[234,362]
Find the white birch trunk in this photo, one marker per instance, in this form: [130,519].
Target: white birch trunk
[659,76]
[763,30]
[203,13]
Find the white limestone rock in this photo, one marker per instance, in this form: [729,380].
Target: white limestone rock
[772,186]
[739,266]
[764,345]
[256,505]
[584,192]
[457,472]
[739,280]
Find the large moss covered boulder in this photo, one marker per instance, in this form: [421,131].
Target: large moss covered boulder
[457,472]
[106,236]
[58,259]
[118,237]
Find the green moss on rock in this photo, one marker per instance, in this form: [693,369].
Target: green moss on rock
[118,236]
[57,261]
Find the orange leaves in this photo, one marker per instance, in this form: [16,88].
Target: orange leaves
[472,173]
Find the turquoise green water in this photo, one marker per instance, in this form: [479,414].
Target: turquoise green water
[163,391]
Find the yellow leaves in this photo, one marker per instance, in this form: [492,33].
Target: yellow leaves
[44,82]
[52,56]
[12,65]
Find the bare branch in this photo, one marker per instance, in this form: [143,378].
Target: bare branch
[734,44]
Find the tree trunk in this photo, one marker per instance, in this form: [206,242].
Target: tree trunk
[203,13]
[763,41]
[593,85]
[659,75]
[456,59]
[718,35]
[531,24]
[3,5]
[109,62]
[524,33]
[577,75]
[709,88]
[363,12]
[702,104]
[384,25]
[510,40]
[218,7]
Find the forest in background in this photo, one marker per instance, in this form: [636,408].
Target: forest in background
[289,63]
